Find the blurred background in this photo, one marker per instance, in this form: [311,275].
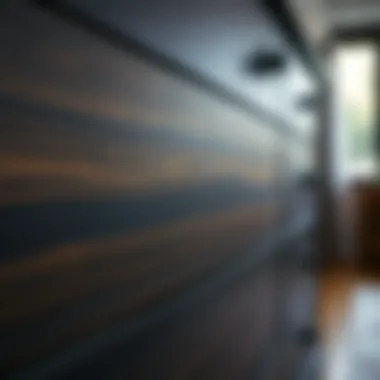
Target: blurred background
[189,190]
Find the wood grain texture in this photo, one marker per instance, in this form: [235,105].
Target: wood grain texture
[106,281]
[121,189]
[193,343]
[98,122]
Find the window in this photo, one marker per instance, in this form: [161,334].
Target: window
[355,79]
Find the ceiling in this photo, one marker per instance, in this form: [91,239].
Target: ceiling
[353,13]
[321,18]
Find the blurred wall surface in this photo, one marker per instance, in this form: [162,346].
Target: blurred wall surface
[144,203]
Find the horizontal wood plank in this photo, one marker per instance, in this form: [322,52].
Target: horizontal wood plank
[123,187]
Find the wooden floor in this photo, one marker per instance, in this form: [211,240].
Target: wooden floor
[337,290]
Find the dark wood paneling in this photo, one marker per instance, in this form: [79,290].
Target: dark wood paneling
[225,337]
[75,290]
[52,154]
[121,187]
